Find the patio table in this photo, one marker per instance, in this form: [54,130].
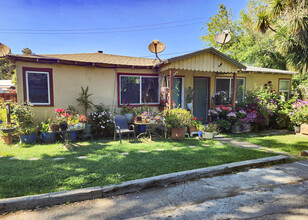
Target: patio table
[149,129]
[67,140]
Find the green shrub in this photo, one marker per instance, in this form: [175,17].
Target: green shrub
[178,118]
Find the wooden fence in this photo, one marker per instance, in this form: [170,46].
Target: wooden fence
[9,96]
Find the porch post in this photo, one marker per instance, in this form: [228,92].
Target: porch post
[234,90]
[170,88]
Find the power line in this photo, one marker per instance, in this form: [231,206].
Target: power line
[99,32]
[94,29]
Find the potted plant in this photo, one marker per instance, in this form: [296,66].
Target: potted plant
[128,111]
[193,125]
[84,101]
[177,119]
[299,115]
[46,136]
[210,130]
[190,97]
[5,130]
[23,114]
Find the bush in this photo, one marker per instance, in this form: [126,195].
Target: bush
[102,121]
[23,114]
[178,118]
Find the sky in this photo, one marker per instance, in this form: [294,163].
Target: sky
[121,27]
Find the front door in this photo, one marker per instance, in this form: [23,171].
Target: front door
[177,89]
[201,98]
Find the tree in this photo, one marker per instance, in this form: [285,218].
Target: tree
[26,51]
[288,20]
[247,45]
[7,69]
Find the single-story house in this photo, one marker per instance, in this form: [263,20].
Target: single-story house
[54,80]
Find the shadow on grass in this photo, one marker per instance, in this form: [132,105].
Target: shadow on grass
[105,165]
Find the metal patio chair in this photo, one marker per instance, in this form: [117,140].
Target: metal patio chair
[121,127]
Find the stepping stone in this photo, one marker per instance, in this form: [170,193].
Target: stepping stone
[218,143]
[125,153]
[35,158]
[159,149]
[82,157]
[14,158]
[143,151]
[206,145]
[252,135]
[59,158]
[192,146]
[176,148]
[1,156]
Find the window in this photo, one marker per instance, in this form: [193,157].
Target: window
[138,89]
[284,87]
[226,84]
[37,86]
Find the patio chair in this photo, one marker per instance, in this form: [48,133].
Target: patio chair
[121,127]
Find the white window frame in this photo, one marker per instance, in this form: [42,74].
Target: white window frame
[230,85]
[140,87]
[48,87]
[283,90]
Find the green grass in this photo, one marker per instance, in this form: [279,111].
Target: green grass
[290,143]
[104,164]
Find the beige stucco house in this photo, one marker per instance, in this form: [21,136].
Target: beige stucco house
[55,80]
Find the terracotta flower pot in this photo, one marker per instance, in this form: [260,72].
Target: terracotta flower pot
[8,139]
[178,133]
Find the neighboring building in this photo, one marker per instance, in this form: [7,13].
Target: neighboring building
[54,81]
[5,86]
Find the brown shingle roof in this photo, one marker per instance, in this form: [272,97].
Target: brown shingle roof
[97,58]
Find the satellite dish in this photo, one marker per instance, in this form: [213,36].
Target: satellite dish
[223,37]
[157,47]
[4,50]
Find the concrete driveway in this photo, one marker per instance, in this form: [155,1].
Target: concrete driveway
[278,192]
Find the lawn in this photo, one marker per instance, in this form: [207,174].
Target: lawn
[290,143]
[106,162]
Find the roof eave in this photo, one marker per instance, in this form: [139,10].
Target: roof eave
[50,60]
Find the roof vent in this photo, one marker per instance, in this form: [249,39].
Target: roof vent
[100,51]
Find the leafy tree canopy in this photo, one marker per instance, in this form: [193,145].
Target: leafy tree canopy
[269,33]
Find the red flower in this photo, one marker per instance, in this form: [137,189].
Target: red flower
[195,118]
[201,119]
[266,116]
[229,105]
[285,117]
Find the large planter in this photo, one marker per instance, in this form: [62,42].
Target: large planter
[297,129]
[189,106]
[304,129]
[266,122]
[28,139]
[192,129]
[247,128]
[73,135]
[7,139]
[178,133]
[236,129]
[54,127]
[208,135]
[87,129]
[129,117]
[47,137]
